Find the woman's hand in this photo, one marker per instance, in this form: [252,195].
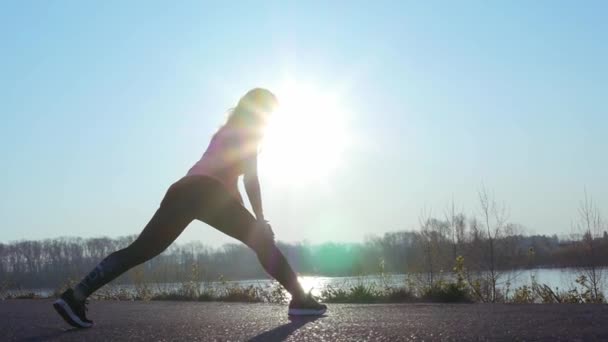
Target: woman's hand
[264,230]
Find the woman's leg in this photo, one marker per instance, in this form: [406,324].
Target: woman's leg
[165,226]
[230,217]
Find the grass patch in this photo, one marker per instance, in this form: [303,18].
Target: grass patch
[361,293]
[542,293]
[356,294]
[249,294]
[445,293]
[400,295]
[27,295]
[21,295]
[204,297]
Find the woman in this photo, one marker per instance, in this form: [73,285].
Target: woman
[208,193]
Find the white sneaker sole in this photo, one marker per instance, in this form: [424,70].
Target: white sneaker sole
[68,315]
[306,312]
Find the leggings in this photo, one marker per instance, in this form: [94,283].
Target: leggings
[205,199]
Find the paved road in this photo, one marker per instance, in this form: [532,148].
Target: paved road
[33,320]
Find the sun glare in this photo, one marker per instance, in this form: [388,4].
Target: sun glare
[306,137]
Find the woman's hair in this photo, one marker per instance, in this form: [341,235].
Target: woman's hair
[252,109]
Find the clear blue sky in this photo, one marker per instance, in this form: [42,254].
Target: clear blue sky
[104,104]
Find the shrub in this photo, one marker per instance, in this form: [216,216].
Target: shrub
[247,294]
[400,295]
[445,293]
[523,295]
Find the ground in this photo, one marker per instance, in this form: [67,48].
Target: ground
[33,320]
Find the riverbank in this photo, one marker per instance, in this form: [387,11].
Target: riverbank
[379,291]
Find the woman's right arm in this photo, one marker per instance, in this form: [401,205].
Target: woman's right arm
[252,187]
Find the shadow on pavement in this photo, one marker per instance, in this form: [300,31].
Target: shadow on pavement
[281,332]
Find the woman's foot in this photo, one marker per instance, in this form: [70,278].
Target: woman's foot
[72,310]
[306,306]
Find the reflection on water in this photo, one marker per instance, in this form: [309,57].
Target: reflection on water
[561,278]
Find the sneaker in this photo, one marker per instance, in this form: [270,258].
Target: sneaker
[72,311]
[307,306]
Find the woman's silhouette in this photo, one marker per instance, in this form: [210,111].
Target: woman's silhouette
[208,193]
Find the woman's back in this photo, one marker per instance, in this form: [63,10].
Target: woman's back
[225,157]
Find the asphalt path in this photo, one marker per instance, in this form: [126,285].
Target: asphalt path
[35,320]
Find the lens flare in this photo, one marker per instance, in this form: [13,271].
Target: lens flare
[306,137]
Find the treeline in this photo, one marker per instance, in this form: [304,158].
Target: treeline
[488,244]
[432,251]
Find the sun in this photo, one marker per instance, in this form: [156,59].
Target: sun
[306,137]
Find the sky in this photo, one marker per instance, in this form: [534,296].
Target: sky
[104,104]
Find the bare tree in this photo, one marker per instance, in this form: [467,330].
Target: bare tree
[460,225]
[457,225]
[428,242]
[590,225]
[450,217]
[494,218]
